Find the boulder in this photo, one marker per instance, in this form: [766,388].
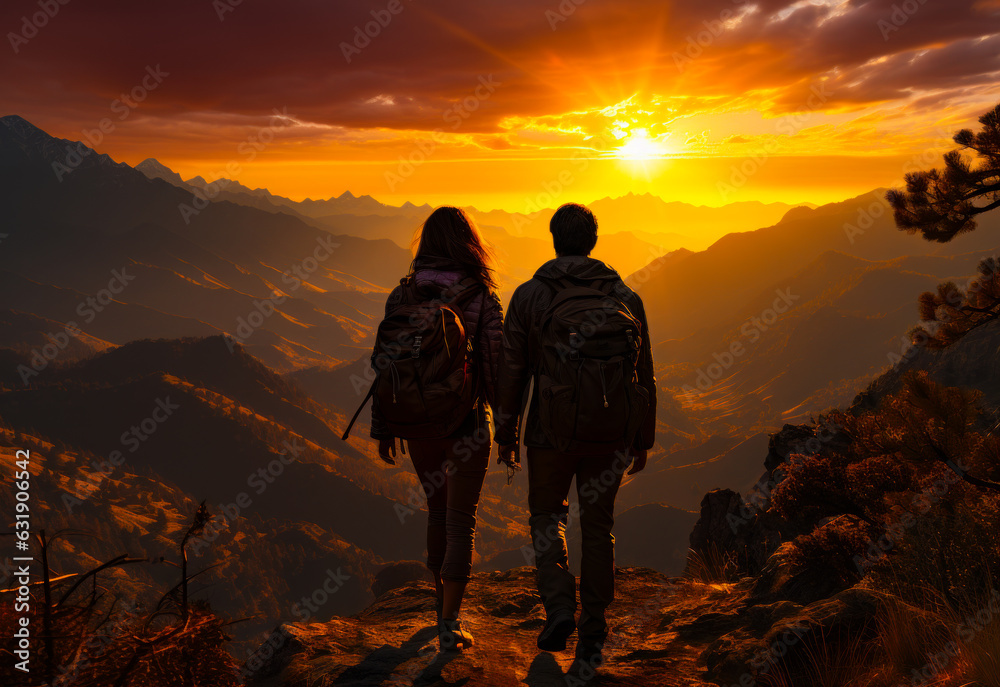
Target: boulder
[398,575]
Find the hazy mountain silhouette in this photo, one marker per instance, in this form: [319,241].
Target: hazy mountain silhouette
[733,271]
[634,228]
[845,322]
[211,265]
[651,219]
[519,251]
[230,189]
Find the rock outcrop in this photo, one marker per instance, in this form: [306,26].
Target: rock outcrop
[399,575]
[665,632]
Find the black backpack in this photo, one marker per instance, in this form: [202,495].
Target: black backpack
[425,383]
[587,348]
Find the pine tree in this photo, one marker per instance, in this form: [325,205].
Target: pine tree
[951,312]
[941,204]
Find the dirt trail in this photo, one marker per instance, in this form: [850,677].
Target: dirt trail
[394,642]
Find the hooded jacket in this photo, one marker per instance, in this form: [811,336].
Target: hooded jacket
[527,305]
[483,317]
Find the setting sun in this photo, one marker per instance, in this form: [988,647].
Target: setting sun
[641,156]
[639,146]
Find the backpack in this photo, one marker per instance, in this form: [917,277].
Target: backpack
[425,382]
[587,349]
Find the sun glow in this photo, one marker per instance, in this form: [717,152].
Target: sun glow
[643,156]
[639,146]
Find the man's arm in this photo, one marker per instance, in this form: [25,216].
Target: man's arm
[646,436]
[513,370]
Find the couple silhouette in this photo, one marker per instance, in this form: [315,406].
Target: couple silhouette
[568,374]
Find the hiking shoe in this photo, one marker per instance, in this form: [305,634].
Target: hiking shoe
[452,637]
[590,651]
[557,629]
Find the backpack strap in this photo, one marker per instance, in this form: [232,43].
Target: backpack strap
[364,402]
[470,288]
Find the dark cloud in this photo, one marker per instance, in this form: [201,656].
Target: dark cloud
[429,57]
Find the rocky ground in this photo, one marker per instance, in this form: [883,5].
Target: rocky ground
[800,611]
[656,639]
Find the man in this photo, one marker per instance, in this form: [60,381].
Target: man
[591,427]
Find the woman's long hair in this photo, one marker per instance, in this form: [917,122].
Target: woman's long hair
[450,233]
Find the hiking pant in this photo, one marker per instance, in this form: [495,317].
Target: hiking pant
[597,480]
[451,472]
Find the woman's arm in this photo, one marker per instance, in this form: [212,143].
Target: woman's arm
[489,339]
[378,430]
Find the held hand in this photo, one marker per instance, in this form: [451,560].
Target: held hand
[510,455]
[387,450]
[638,460]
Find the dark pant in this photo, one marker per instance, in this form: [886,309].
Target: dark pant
[451,472]
[597,480]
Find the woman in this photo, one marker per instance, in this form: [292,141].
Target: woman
[450,249]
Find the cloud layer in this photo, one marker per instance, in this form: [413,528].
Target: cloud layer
[362,80]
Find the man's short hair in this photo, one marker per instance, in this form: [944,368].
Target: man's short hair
[574,230]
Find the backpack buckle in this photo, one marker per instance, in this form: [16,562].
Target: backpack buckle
[415,352]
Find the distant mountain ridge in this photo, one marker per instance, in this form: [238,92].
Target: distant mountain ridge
[658,223]
[345,203]
[214,265]
[520,241]
[736,214]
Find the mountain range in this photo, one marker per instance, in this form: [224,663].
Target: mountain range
[634,228]
[122,288]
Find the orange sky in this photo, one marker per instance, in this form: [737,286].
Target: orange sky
[506,104]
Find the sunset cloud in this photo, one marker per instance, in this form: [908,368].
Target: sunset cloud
[364,80]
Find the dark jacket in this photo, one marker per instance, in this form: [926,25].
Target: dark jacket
[528,303]
[442,273]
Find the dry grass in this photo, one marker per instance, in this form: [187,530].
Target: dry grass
[981,657]
[909,635]
[827,660]
[979,639]
[930,645]
[711,566]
